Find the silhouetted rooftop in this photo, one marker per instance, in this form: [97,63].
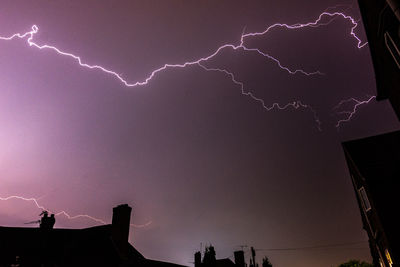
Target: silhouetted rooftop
[94,246]
[381,27]
[225,263]
[64,246]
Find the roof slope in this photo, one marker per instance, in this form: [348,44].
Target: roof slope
[379,20]
[64,247]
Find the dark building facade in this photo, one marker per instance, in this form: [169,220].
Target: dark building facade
[374,164]
[381,20]
[99,246]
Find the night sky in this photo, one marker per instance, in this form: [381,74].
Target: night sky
[189,152]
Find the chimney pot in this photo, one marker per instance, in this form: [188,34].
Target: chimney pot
[120,226]
[197,259]
[239,258]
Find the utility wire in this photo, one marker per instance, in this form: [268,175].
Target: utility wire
[312,247]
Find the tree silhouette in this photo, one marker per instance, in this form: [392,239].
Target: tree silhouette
[266,262]
[209,256]
[355,263]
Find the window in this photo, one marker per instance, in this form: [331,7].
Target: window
[381,263]
[364,199]
[389,259]
[393,49]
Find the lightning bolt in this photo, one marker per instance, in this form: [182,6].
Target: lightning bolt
[35,29]
[338,6]
[67,215]
[295,104]
[350,113]
[316,23]
[29,36]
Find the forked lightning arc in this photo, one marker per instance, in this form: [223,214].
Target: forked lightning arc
[29,36]
[200,62]
[68,216]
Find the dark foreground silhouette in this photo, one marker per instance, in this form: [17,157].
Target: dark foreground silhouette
[99,246]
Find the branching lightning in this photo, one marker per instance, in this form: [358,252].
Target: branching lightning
[316,23]
[350,113]
[296,104]
[29,36]
[67,215]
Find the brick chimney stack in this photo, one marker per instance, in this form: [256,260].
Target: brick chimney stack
[197,259]
[239,258]
[120,227]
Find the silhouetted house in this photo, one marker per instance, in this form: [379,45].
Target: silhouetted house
[209,259]
[98,246]
[382,25]
[374,164]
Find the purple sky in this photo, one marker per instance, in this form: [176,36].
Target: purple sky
[190,153]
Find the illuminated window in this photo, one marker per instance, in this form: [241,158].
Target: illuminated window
[381,262]
[364,199]
[389,259]
[393,49]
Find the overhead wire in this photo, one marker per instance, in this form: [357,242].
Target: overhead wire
[337,245]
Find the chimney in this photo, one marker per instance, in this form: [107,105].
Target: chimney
[120,227]
[197,259]
[239,258]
